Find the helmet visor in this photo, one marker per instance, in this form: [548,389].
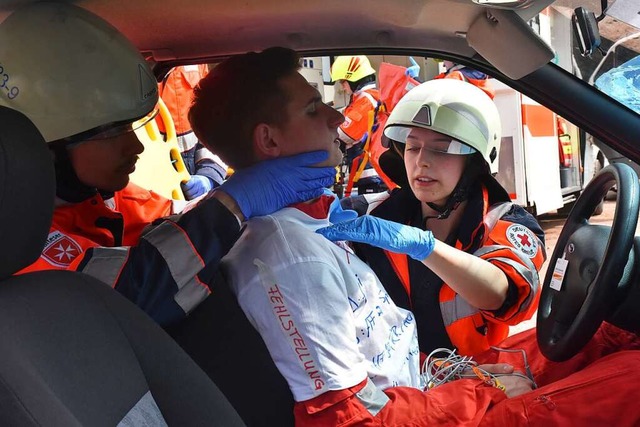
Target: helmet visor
[445,145]
[111,130]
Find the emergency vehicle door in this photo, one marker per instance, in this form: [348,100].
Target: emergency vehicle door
[529,161]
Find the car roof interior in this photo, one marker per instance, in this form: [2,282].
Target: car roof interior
[494,40]
[172,30]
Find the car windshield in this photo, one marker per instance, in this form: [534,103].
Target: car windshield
[612,60]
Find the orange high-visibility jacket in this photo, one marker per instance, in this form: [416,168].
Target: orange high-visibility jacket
[610,361]
[77,227]
[133,244]
[457,74]
[493,229]
[177,92]
[356,114]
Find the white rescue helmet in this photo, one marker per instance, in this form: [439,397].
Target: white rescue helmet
[71,72]
[454,108]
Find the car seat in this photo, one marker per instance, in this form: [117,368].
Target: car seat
[72,351]
[222,341]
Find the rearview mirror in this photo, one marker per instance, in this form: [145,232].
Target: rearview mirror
[585,29]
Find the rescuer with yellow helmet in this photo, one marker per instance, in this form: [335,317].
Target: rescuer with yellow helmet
[468,266]
[86,88]
[356,77]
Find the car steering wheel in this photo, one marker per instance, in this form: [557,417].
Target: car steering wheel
[573,304]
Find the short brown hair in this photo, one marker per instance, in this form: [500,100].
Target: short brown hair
[237,95]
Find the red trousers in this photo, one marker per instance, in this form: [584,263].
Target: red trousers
[596,387]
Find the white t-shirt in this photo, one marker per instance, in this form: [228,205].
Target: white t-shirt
[325,317]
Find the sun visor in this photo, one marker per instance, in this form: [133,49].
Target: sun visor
[506,41]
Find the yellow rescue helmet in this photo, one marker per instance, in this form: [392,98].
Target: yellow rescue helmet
[71,72]
[351,68]
[454,108]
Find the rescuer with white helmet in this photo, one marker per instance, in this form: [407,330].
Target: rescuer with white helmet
[113,86]
[468,266]
[467,117]
[86,88]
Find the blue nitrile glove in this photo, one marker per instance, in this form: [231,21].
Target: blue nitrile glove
[336,213]
[196,186]
[271,185]
[389,235]
[414,70]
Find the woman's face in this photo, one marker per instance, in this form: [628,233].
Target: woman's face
[432,173]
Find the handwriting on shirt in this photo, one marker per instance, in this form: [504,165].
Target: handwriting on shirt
[395,332]
[370,318]
[295,339]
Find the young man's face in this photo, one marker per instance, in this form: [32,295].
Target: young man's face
[311,124]
[106,163]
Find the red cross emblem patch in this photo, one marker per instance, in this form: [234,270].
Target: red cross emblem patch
[60,249]
[522,239]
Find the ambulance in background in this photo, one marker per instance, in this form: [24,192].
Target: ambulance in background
[545,161]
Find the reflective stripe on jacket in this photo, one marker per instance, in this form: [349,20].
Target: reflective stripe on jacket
[118,221]
[459,403]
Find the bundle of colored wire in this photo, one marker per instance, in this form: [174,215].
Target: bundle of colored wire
[443,365]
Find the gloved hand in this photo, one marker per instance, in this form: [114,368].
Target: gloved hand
[336,213]
[414,70]
[274,184]
[389,235]
[196,186]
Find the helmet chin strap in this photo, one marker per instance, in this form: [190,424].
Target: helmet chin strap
[68,186]
[459,195]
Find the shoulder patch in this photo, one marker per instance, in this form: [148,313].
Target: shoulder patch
[522,239]
[60,250]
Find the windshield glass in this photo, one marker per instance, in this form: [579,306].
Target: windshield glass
[613,66]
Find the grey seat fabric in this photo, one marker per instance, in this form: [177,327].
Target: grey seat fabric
[222,341]
[72,351]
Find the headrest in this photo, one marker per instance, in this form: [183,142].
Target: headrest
[27,191]
[392,165]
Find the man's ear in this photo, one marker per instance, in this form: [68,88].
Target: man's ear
[266,147]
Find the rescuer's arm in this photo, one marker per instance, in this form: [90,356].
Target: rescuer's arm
[172,268]
[479,282]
